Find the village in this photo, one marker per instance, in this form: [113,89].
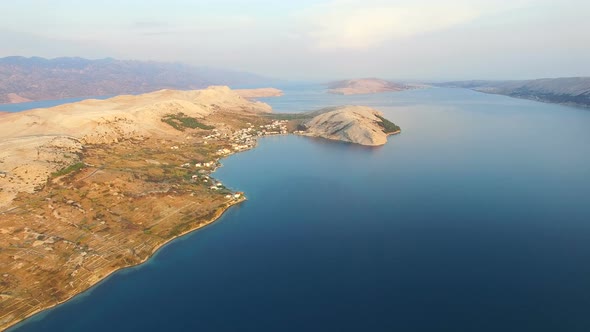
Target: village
[240,140]
[245,138]
[123,201]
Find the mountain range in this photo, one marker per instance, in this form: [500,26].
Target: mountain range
[573,91]
[29,79]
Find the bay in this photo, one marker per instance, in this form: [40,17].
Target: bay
[475,217]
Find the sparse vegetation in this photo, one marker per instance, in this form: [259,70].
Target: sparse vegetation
[72,168]
[181,121]
[113,209]
[388,126]
[289,116]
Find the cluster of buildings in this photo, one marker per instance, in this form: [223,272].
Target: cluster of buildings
[277,127]
[241,140]
[207,164]
[234,196]
[214,134]
[245,139]
[201,165]
[217,186]
[223,152]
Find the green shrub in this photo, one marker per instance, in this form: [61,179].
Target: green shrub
[72,168]
[181,121]
[388,126]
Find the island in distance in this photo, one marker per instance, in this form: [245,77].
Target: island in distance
[368,86]
[99,185]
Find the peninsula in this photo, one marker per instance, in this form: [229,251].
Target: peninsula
[574,91]
[92,187]
[354,124]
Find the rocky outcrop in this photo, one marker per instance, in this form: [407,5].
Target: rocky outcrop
[354,124]
[365,86]
[35,143]
[125,116]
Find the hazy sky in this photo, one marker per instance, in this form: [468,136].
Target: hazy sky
[419,39]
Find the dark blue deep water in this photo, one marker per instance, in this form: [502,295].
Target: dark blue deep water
[475,218]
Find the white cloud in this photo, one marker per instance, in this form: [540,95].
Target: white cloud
[348,24]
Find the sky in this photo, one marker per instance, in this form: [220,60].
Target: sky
[315,40]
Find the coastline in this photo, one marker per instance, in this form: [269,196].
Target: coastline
[359,92]
[394,132]
[11,319]
[346,142]
[10,322]
[218,214]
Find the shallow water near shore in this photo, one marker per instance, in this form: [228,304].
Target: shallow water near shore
[474,218]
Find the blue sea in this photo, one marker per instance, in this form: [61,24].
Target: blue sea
[475,218]
[11,108]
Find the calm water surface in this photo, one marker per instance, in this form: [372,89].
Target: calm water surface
[475,218]
[42,104]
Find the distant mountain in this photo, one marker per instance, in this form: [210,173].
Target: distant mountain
[25,79]
[365,86]
[567,90]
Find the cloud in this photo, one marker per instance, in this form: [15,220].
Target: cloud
[346,24]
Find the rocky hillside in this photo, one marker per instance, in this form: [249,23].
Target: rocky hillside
[365,86]
[90,187]
[355,124]
[26,79]
[568,90]
[35,143]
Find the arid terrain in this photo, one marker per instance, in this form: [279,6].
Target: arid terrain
[355,124]
[92,187]
[365,86]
